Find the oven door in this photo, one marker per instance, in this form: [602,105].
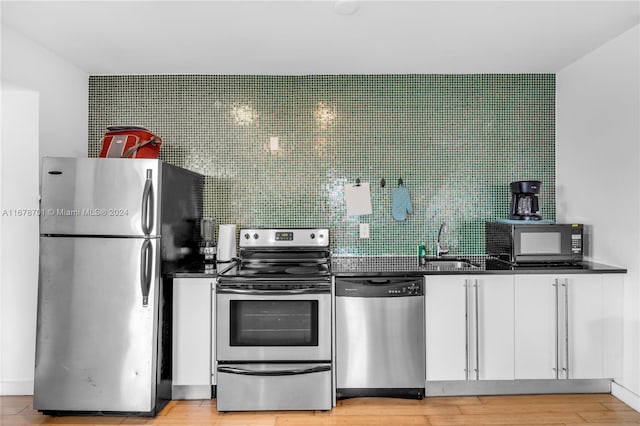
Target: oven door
[273,325]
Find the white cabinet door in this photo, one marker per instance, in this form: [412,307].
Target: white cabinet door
[469,325]
[613,299]
[535,327]
[494,330]
[192,332]
[446,327]
[585,317]
[595,325]
[572,323]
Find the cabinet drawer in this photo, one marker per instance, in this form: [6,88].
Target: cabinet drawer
[274,387]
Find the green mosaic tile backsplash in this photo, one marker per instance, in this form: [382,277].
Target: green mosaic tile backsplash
[457,141]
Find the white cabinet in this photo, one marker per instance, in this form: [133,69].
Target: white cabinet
[535,327]
[582,340]
[469,326]
[446,327]
[192,338]
[568,327]
[613,324]
[494,334]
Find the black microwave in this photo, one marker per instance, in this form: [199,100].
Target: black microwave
[534,243]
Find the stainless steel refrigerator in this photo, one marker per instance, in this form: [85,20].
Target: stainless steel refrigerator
[109,229]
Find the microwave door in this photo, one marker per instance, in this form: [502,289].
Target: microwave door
[540,243]
[543,244]
[100,196]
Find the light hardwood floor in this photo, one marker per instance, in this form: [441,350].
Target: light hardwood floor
[591,409]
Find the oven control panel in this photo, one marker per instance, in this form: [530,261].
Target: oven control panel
[287,237]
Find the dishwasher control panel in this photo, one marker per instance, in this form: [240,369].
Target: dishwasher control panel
[379,287]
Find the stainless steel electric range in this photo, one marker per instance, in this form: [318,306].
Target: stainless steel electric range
[273,333]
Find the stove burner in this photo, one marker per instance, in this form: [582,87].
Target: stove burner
[271,270]
[301,270]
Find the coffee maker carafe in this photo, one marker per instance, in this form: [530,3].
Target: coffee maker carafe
[524,200]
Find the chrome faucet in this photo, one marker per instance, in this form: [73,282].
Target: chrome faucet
[442,248]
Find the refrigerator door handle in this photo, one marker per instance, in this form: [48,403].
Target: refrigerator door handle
[146,265]
[147,204]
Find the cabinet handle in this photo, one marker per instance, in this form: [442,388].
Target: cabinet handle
[557,313]
[466,329]
[477,369]
[566,327]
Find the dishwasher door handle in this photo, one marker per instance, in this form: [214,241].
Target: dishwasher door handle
[376,282]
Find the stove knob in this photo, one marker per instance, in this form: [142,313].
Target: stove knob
[247,236]
[255,236]
[312,236]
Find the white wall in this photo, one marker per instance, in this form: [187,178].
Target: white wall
[19,239]
[44,112]
[598,158]
[63,89]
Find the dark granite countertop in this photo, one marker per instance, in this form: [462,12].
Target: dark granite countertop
[194,274]
[349,266]
[194,270]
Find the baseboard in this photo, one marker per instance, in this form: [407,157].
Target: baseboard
[625,395]
[516,387]
[191,392]
[21,387]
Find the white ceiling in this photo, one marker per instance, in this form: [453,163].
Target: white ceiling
[311,37]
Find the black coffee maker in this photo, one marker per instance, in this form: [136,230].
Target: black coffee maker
[524,200]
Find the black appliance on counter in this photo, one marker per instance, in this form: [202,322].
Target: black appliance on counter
[524,200]
[529,243]
[273,323]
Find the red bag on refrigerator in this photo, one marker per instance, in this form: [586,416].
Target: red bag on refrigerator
[130,142]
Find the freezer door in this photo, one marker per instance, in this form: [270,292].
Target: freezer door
[96,339]
[100,196]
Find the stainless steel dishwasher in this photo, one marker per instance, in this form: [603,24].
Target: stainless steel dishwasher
[380,337]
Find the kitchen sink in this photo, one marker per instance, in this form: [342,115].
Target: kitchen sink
[444,264]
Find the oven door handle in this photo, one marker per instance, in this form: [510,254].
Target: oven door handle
[254,292]
[242,371]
